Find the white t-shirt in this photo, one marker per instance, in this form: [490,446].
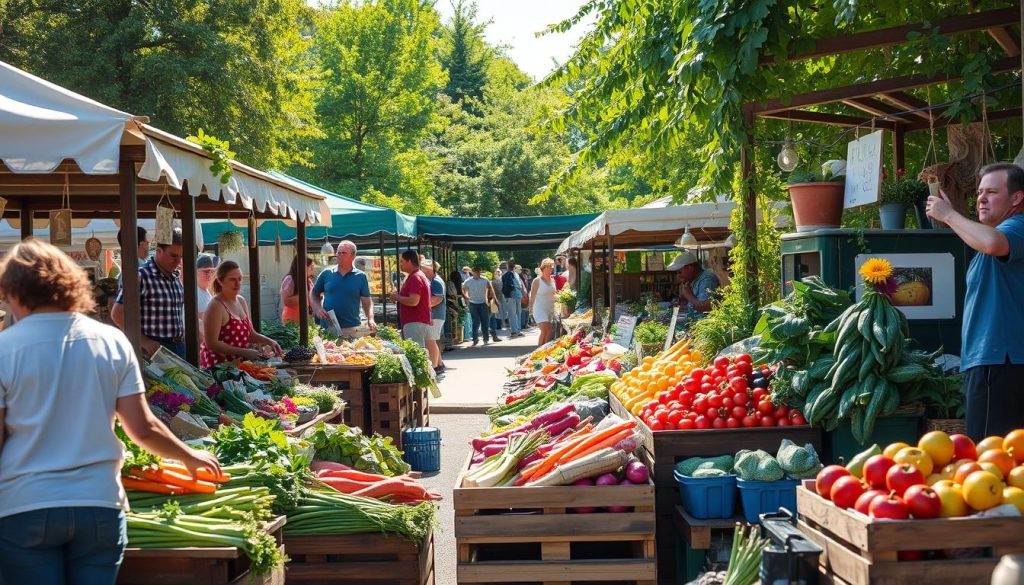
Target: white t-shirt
[204,297]
[61,377]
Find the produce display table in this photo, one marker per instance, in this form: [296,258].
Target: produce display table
[351,559]
[663,449]
[197,565]
[334,416]
[519,534]
[352,384]
[859,551]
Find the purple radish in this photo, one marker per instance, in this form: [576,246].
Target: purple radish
[607,479]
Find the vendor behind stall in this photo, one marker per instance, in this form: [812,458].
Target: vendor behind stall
[697,286]
[227,327]
[993,355]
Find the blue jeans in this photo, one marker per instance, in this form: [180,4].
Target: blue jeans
[52,546]
[177,347]
[480,313]
[512,306]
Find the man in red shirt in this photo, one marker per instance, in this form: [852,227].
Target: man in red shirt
[414,300]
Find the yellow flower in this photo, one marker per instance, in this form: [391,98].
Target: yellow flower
[876,270]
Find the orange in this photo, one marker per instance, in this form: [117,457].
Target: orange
[966,469]
[1014,444]
[1016,477]
[1015,496]
[938,446]
[993,442]
[1003,460]
[983,490]
[992,468]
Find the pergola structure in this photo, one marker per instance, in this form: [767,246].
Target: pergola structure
[882,103]
[115,165]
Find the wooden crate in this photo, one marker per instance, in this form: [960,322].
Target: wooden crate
[528,535]
[392,409]
[663,449]
[197,565]
[351,559]
[352,384]
[859,551]
[421,407]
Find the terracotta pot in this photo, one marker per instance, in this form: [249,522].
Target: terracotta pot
[817,205]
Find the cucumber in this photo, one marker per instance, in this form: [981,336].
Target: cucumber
[892,402]
[848,399]
[864,323]
[867,365]
[820,367]
[878,397]
[857,426]
[905,373]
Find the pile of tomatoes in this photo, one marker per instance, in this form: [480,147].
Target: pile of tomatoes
[729,394]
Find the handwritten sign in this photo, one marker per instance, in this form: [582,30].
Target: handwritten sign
[624,330]
[671,329]
[863,170]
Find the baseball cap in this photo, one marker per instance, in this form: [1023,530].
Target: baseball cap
[206,261]
[684,258]
[428,263]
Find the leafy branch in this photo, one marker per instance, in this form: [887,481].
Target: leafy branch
[220,153]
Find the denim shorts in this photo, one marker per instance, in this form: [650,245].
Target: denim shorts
[53,546]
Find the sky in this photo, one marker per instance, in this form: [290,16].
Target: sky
[514,24]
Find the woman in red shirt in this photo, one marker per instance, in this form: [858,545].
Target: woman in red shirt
[227,326]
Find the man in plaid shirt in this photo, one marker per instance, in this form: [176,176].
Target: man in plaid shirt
[161,300]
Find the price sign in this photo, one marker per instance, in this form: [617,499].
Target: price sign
[863,170]
[624,330]
[671,329]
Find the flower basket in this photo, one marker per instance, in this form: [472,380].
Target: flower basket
[306,414]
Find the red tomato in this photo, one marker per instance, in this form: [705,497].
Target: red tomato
[707,388]
[712,413]
[707,379]
[719,378]
[765,407]
[661,415]
[749,421]
[700,404]
[738,384]
[691,415]
[653,405]
[685,424]
[766,371]
[781,412]
[738,412]
[727,402]
[743,358]
[674,405]
[721,362]
[732,371]
[664,397]
[656,425]
[740,398]
[675,416]
[745,368]
[718,423]
[715,400]
[732,423]
[645,414]
[798,420]
[691,385]
[701,423]
[758,394]
[686,399]
[675,392]
[670,427]
[697,373]
[783,422]
[767,421]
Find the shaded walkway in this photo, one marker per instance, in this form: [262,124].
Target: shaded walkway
[475,374]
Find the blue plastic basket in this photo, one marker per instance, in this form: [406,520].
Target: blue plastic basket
[762,497]
[706,498]
[422,446]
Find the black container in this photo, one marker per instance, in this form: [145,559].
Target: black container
[790,557]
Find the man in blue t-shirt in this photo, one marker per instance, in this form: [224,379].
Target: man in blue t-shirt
[992,358]
[437,312]
[343,288]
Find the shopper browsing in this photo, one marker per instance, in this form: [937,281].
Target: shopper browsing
[414,300]
[512,291]
[437,312]
[478,293]
[343,289]
[992,359]
[542,300]
[290,292]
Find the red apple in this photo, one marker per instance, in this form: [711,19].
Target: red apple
[845,491]
[891,506]
[863,503]
[963,448]
[827,477]
[923,502]
[902,476]
[875,469]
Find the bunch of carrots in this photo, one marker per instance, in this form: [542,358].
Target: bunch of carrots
[171,478]
[400,489]
[580,453]
[264,373]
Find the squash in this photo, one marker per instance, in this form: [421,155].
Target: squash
[912,294]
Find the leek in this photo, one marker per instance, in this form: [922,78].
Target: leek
[497,469]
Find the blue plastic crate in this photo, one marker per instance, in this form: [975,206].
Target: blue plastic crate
[762,497]
[706,498]
[422,446]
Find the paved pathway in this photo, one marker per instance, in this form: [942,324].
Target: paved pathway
[474,375]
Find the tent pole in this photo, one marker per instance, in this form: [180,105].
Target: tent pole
[611,276]
[383,275]
[129,251]
[27,218]
[255,298]
[188,266]
[300,249]
[595,318]
[398,281]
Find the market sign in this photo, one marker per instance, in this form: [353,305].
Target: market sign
[671,329]
[624,330]
[863,170]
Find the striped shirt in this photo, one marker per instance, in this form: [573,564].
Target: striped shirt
[161,301]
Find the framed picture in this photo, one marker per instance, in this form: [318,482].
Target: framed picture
[925,288]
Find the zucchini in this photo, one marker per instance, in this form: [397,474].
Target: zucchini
[905,373]
[848,399]
[820,367]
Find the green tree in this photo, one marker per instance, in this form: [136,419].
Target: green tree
[380,83]
[239,69]
[466,56]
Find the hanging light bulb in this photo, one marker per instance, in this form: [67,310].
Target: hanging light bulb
[788,157]
[730,242]
[327,249]
[687,239]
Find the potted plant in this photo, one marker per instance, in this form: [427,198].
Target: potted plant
[817,198]
[897,194]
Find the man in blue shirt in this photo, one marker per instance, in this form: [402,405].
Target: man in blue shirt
[343,288]
[697,286]
[437,312]
[992,358]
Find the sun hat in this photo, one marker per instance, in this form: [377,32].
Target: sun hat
[684,258]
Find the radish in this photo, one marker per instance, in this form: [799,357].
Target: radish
[607,479]
[584,481]
[636,472]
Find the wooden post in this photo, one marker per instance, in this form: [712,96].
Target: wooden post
[255,298]
[748,207]
[899,151]
[398,275]
[595,318]
[300,249]
[188,267]
[129,252]
[27,217]
[611,276]
[383,275]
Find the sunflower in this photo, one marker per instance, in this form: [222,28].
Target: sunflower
[876,270]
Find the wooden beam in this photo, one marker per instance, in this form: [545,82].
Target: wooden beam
[1006,40]
[899,149]
[826,118]
[897,35]
[904,100]
[383,276]
[27,215]
[130,256]
[867,89]
[255,292]
[612,297]
[190,278]
[300,249]
[875,108]
[943,121]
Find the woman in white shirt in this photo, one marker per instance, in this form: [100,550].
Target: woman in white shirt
[542,300]
[65,377]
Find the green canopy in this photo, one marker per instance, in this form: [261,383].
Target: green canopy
[349,219]
[501,233]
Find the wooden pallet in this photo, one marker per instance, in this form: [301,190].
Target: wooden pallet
[197,565]
[351,559]
[860,551]
[529,535]
[352,384]
[392,409]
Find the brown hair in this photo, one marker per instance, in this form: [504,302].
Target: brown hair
[222,270]
[38,274]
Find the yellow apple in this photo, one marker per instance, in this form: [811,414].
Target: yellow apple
[953,503]
[983,490]
[938,446]
[1015,496]
[893,449]
[916,457]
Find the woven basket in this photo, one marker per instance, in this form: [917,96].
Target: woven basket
[950,426]
[912,409]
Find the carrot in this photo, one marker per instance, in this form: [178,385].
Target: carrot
[392,487]
[603,444]
[596,438]
[144,485]
[169,477]
[345,486]
[201,473]
[352,475]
